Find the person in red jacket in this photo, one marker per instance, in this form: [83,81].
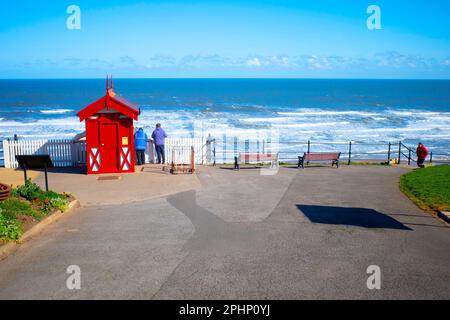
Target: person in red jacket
[421,153]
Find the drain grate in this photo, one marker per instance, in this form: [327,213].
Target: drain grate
[108,178]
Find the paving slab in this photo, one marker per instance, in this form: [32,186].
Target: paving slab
[146,183]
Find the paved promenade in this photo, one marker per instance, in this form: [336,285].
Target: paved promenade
[223,234]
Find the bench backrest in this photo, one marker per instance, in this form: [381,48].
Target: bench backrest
[247,157]
[318,156]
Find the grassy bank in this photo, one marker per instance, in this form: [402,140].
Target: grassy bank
[27,206]
[429,188]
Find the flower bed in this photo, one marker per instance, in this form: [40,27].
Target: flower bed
[28,205]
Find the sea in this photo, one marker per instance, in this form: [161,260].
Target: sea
[370,113]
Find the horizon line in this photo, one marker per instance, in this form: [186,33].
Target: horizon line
[227,78]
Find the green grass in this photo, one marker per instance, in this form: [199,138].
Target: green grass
[429,188]
[13,207]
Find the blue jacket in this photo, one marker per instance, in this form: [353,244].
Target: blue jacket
[140,140]
[158,136]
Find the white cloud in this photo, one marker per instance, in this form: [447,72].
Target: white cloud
[381,62]
[254,62]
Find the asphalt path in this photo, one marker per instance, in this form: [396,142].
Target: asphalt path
[299,234]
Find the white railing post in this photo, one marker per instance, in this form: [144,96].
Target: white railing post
[14,151]
[208,150]
[150,151]
[6,153]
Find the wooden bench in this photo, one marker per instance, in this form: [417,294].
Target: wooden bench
[319,156]
[256,157]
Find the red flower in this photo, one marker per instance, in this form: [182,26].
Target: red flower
[46,201]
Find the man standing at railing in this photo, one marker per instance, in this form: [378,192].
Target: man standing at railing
[158,137]
[140,144]
[422,154]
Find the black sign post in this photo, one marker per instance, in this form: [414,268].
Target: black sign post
[35,162]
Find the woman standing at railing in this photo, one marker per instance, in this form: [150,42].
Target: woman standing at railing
[422,154]
[140,141]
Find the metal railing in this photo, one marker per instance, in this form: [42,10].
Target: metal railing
[408,154]
[212,150]
[224,150]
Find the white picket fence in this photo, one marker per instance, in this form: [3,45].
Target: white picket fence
[60,151]
[181,149]
[68,153]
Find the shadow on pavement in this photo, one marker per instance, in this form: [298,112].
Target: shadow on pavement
[69,170]
[246,167]
[359,217]
[211,232]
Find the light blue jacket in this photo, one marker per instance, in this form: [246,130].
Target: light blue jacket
[140,140]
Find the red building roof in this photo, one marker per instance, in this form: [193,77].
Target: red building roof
[111,101]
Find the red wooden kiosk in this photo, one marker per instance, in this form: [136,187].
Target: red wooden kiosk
[109,133]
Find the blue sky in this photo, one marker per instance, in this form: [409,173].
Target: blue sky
[301,39]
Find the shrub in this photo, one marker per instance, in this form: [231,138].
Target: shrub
[29,190]
[50,195]
[50,200]
[10,229]
[60,204]
[15,193]
[45,206]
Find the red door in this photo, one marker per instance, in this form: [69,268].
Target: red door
[109,147]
